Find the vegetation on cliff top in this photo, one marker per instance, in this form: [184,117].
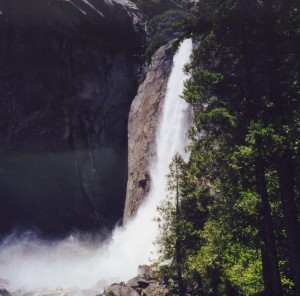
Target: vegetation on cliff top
[164,19]
[231,223]
[152,8]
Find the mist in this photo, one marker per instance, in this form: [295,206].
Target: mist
[81,265]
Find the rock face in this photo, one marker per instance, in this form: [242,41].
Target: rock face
[69,72]
[143,120]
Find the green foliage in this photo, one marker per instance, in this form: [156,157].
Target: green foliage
[166,21]
[243,268]
[154,7]
[110,293]
[163,28]
[244,89]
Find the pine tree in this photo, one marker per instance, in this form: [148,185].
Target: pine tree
[171,236]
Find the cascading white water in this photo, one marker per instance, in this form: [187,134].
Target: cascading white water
[33,265]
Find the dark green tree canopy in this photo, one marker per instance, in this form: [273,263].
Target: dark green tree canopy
[239,195]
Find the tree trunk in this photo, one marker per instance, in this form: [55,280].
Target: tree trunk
[179,270]
[286,180]
[178,235]
[271,273]
[266,270]
[285,162]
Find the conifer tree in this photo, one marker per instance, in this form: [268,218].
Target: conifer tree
[240,200]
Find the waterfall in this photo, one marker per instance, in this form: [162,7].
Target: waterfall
[33,265]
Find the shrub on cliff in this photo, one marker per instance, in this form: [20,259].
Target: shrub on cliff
[164,28]
[154,7]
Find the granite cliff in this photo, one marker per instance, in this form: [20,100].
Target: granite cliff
[143,118]
[69,72]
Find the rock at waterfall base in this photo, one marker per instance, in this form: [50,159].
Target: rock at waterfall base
[120,290]
[142,285]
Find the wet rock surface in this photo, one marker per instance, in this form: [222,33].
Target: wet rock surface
[143,120]
[68,74]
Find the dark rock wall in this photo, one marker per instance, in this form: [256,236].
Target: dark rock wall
[142,127]
[68,74]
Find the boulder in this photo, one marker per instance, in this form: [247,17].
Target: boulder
[155,289]
[120,290]
[138,283]
[142,285]
[145,271]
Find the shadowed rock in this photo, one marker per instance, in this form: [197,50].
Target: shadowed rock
[69,71]
[4,292]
